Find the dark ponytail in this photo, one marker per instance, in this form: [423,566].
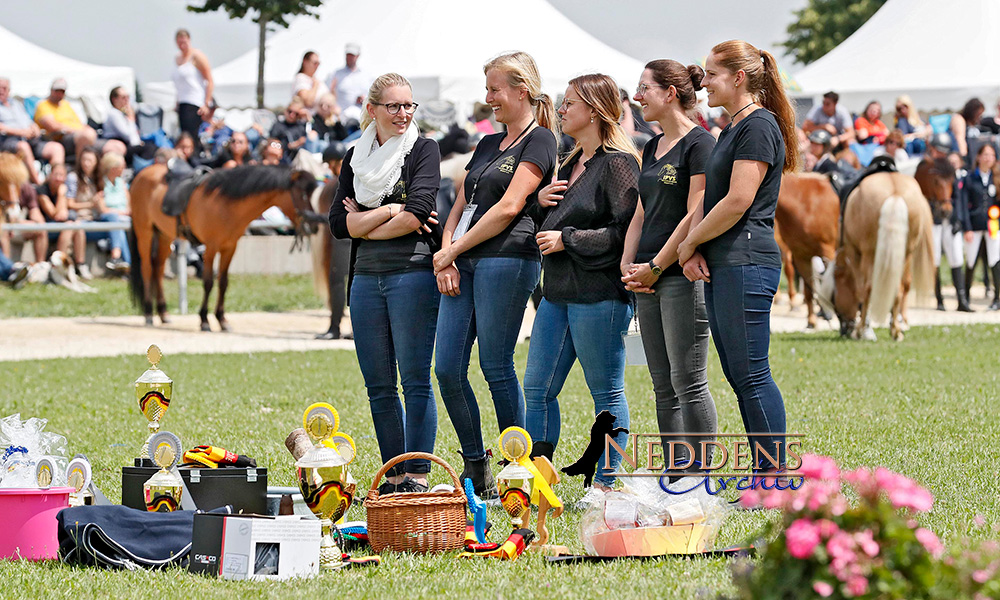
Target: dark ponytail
[686,80]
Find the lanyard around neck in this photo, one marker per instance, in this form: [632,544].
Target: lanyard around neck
[475,184]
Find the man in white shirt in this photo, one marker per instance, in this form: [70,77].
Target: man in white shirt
[350,84]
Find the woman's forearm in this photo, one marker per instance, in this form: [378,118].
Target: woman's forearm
[668,253]
[360,224]
[402,224]
[496,219]
[719,220]
[632,236]
[452,223]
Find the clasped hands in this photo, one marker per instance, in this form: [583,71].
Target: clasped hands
[639,278]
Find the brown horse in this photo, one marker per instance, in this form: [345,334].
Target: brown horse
[806,224]
[217,215]
[886,245]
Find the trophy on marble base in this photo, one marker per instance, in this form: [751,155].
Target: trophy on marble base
[326,486]
[162,492]
[153,390]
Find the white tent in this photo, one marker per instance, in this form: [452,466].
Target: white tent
[32,68]
[439,45]
[941,54]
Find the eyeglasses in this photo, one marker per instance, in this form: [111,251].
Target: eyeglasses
[641,90]
[393,107]
[275,145]
[567,104]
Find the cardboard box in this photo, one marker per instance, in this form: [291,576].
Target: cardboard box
[255,547]
[651,541]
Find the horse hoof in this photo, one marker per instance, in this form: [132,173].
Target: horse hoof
[149,320]
[206,327]
[868,335]
[164,318]
[224,325]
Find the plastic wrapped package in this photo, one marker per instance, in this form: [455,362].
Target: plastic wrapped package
[645,520]
[23,444]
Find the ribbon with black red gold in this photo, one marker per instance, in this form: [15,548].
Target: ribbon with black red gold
[509,550]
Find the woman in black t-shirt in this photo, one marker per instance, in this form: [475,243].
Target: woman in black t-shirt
[385,197]
[671,309]
[730,244]
[583,216]
[489,262]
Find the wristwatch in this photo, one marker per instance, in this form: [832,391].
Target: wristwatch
[655,269]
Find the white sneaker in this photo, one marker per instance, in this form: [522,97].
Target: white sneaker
[84,272]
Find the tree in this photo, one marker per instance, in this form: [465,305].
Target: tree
[269,12]
[823,24]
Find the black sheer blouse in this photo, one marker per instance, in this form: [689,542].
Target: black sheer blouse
[593,216]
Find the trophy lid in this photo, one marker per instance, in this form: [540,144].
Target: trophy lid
[153,374]
[514,471]
[322,456]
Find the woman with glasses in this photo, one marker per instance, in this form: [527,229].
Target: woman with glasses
[909,124]
[671,309]
[585,309]
[730,242]
[489,262]
[386,194]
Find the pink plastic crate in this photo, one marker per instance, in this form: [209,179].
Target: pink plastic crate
[28,527]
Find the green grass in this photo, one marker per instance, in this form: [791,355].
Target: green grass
[925,407]
[246,293]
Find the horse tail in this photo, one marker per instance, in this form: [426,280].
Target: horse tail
[136,288]
[890,257]
[321,249]
[923,255]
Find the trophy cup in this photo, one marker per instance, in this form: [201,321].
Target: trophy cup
[326,486]
[162,492]
[44,473]
[515,481]
[78,474]
[153,390]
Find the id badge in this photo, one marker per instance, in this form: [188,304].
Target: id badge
[465,222]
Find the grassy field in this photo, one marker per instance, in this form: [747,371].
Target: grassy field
[925,407]
[246,293]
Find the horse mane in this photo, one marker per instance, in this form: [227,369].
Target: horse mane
[247,180]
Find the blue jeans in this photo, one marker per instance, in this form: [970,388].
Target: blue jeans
[494,293]
[393,316]
[118,237]
[739,312]
[561,334]
[6,267]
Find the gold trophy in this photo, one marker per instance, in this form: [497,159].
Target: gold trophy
[153,390]
[515,481]
[326,486]
[162,492]
[78,474]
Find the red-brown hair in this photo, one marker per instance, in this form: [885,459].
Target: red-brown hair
[764,83]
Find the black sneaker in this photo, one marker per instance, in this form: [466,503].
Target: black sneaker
[19,277]
[386,488]
[410,486]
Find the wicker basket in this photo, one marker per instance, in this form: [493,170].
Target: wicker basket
[416,522]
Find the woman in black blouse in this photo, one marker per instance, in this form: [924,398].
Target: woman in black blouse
[385,196]
[671,309]
[730,242]
[489,262]
[582,218]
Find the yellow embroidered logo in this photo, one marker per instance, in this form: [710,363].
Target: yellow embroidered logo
[400,188]
[667,175]
[507,165]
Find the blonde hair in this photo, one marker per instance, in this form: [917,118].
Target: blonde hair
[108,162]
[912,116]
[765,85]
[12,170]
[381,83]
[521,70]
[600,93]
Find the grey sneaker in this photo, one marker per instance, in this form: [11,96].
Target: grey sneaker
[19,277]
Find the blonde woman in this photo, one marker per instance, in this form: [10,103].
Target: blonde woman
[909,124]
[489,262]
[585,309]
[386,193]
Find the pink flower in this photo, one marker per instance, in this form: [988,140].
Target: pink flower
[802,537]
[857,586]
[823,588]
[750,498]
[819,467]
[981,576]
[915,497]
[979,520]
[867,543]
[827,528]
[930,541]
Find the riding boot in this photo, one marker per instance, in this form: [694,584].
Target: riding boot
[542,449]
[970,276]
[937,289]
[996,287]
[958,278]
[478,470]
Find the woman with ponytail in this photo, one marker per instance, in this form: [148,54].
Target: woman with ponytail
[583,217]
[730,243]
[672,309]
[489,264]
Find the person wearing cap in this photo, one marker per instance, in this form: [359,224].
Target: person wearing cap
[833,118]
[59,121]
[20,135]
[349,83]
[339,250]
[948,224]
[820,146]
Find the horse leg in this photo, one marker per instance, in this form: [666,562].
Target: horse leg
[804,268]
[225,257]
[162,254]
[788,263]
[864,330]
[144,243]
[207,278]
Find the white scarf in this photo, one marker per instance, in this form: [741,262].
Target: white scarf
[377,170]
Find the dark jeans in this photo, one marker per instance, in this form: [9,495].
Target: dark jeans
[6,267]
[739,311]
[561,334]
[674,324]
[393,316]
[189,121]
[118,238]
[340,264]
[494,293]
